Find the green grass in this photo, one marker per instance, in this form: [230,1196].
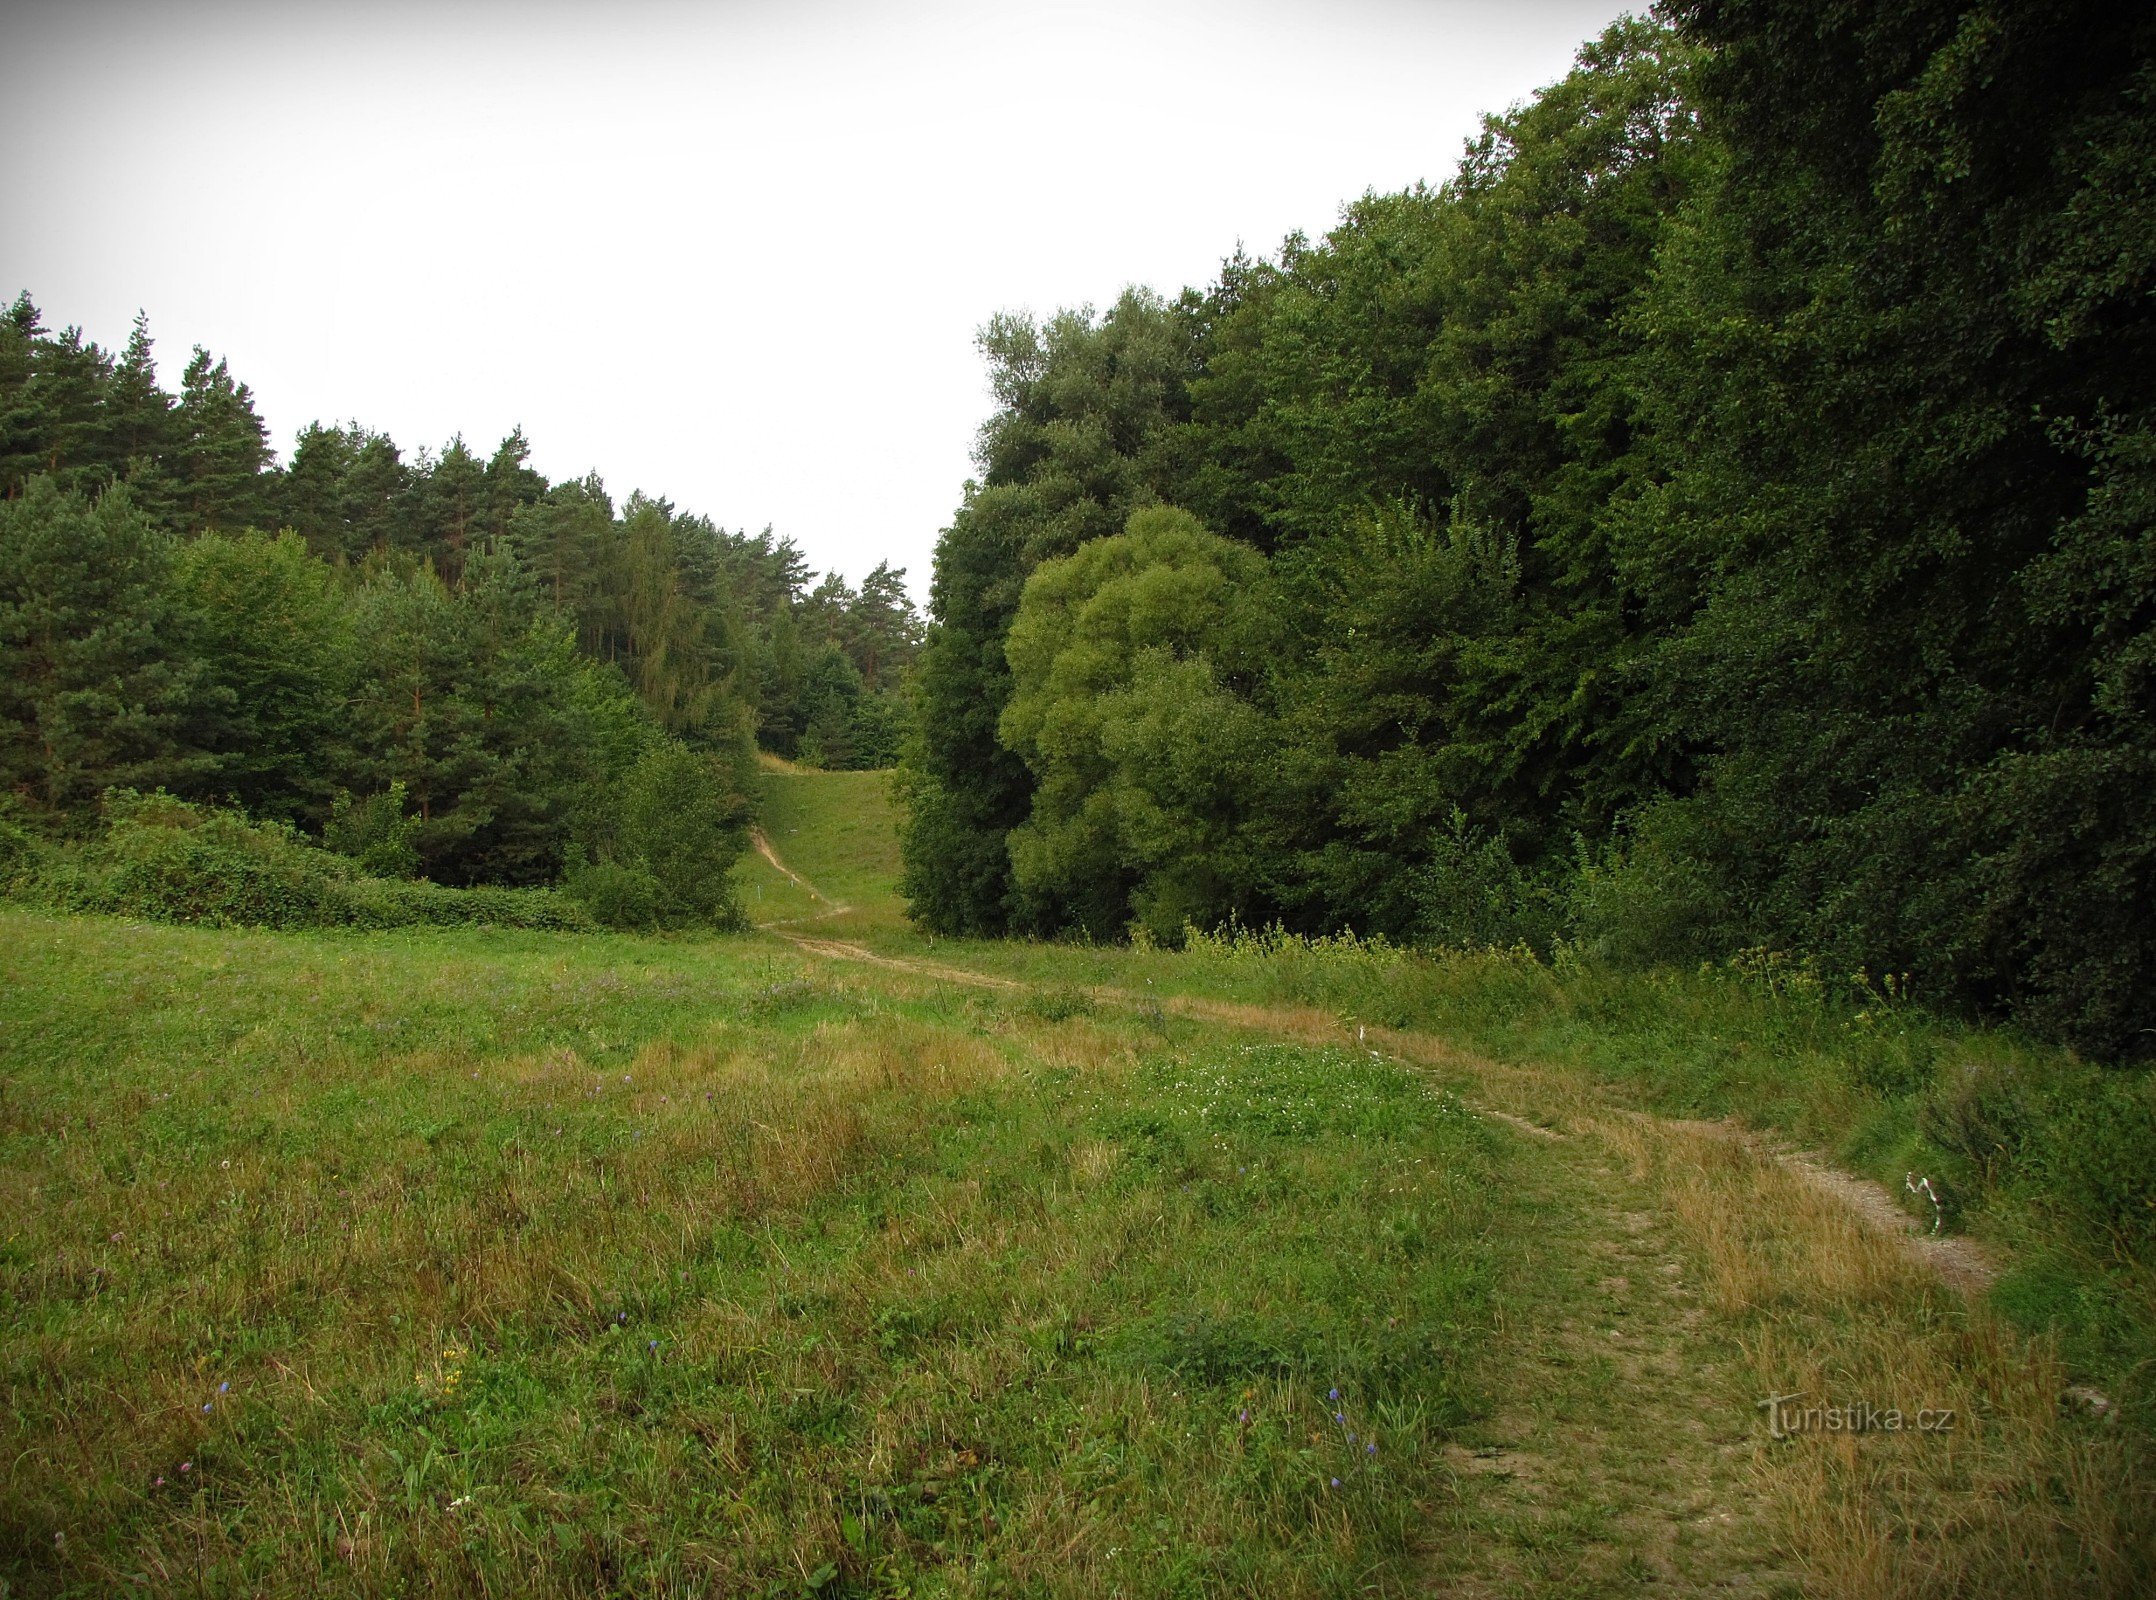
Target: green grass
[838,830]
[1867,1076]
[1874,1081]
[469,1261]
[592,1265]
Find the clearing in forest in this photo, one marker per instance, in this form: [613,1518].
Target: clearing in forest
[829,1260]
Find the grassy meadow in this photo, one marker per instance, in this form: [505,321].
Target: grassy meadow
[488,1262]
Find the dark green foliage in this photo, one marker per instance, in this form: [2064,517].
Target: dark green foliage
[1082,435]
[344,492]
[615,895]
[1718,517]
[500,651]
[1902,396]
[676,824]
[95,684]
[260,618]
[18,846]
[161,858]
[376,833]
[225,449]
[684,820]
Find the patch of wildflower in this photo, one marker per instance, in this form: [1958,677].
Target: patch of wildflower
[447,1378]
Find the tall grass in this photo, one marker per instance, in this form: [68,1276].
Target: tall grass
[462,1261]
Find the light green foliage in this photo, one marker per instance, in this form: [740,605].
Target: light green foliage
[1108,676]
[376,832]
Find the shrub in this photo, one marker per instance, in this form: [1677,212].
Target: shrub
[165,860]
[615,896]
[667,850]
[374,832]
[2096,1157]
[1986,1113]
[169,861]
[1660,896]
[396,903]
[1471,894]
[18,849]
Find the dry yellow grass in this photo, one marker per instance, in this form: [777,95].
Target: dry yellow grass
[2023,1494]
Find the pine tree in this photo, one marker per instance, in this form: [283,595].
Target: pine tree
[224,449]
[510,483]
[68,381]
[21,454]
[96,685]
[141,425]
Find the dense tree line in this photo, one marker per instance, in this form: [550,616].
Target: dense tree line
[505,664]
[1719,516]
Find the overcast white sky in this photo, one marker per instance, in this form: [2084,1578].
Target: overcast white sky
[730,253]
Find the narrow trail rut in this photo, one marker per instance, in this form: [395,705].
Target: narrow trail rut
[831,908]
[1669,1273]
[1961,1262]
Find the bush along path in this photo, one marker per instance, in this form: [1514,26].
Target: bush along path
[1718,1363]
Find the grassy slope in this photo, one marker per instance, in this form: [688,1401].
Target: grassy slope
[606,1265]
[836,830]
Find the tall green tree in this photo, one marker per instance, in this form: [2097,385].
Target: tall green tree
[223,449]
[95,685]
[1109,675]
[1085,415]
[139,425]
[1902,409]
[259,618]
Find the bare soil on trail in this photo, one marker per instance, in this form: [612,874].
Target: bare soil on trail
[763,848]
[1959,1261]
[1675,1271]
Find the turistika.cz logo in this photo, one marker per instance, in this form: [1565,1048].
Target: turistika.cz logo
[1786,1419]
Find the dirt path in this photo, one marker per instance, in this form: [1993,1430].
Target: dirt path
[832,908]
[1675,1274]
[1959,1261]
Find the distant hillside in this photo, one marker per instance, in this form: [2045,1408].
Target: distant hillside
[837,834]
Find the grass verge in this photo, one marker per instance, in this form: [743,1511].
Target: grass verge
[455,1262]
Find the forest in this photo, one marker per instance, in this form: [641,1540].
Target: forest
[1718,518]
[1495,938]
[444,667]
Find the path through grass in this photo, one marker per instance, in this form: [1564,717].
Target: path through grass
[833,1261]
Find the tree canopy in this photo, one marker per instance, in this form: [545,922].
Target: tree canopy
[1718,516]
